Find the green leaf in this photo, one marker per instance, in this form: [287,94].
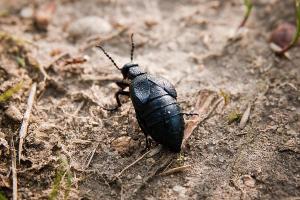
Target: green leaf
[11,91]
[20,61]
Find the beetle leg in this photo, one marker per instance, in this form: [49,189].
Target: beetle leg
[117,96]
[122,84]
[189,114]
[147,142]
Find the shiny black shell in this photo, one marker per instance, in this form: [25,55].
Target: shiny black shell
[157,111]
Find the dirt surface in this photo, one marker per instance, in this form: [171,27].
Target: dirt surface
[75,150]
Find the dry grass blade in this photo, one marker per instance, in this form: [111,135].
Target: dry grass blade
[136,161]
[205,105]
[23,130]
[245,117]
[175,170]
[91,157]
[14,170]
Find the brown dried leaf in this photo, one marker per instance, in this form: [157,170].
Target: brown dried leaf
[206,103]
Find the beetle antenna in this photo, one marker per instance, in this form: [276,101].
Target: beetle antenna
[100,47]
[132,48]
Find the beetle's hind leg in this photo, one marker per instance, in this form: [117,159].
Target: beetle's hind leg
[122,85]
[189,114]
[148,144]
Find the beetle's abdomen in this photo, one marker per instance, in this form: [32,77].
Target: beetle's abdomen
[169,132]
[158,114]
[163,121]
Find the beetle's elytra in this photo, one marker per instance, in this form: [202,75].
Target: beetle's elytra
[154,101]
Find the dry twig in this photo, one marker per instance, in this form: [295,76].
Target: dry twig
[245,117]
[59,58]
[175,170]
[91,157]
[24,126]
[136,161]
[14,170]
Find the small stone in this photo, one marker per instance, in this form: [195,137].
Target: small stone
[26,12]
[248,180]
[2,135]
[88,26]
[180,190]
[122,144]
[13,113]
[4,143]
[150,198]
[138,177]
[221,159]
[150,161]
[280,130]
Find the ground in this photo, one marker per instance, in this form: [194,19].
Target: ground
[74,149]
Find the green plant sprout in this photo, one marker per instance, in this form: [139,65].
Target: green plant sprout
[297,34]
[11,91]
[20,61]
[226,96]
[2,197]
[62,180]
[234,116]
[248,4]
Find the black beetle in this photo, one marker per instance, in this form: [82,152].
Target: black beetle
[154,101]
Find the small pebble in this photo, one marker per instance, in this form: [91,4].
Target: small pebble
[26,12]
[248,181]
[150,161]
[122,144]
[13,113]
[88,26]
[180,190]
[138,177]
[280,130]
[4,143]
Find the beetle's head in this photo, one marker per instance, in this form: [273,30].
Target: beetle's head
[129,70]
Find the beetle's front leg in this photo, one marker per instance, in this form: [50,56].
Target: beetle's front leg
[122,84]
[117,96]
